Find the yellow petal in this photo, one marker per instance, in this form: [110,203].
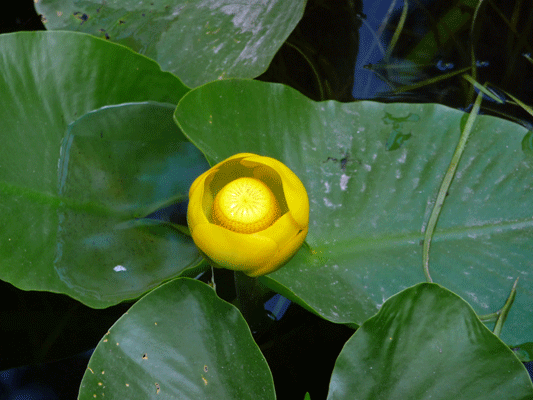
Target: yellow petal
[289,236]
[236,156]
[283,230]
[195,212]
[293,188]
[239,155]
[215,169]
[199,181]
[232,250]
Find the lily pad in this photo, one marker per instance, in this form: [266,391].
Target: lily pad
[180,341]
[71,199]
[370,205]
[427,343]
[198,41]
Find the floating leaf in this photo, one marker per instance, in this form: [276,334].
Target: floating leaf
[427,343]
[370,206]
[178,342]
[198,41]
[69,195]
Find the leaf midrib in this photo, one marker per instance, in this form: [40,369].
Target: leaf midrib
[359,244]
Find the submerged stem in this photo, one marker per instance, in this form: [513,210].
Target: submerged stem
[249,296]
[313,68]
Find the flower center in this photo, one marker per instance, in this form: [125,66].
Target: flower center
[245,205]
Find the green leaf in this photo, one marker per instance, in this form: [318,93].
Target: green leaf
[370,205]
[178,342]
[197,41]
[68,194]
[130,158]
[427,343]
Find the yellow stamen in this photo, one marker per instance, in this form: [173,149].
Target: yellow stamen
[245,205]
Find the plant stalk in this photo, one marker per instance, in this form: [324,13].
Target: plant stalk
[446,182]
[249,298]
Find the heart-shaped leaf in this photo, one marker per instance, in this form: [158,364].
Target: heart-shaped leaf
[372,172]
[69,193]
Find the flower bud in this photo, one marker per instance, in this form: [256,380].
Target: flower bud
[248,213]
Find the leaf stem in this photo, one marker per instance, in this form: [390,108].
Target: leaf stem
[505,310]
[492,317]
[446,182]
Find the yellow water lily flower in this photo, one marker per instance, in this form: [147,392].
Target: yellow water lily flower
[248,213]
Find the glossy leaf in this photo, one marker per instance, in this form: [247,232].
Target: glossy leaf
[69,193]
[427,343]
[198,41]
[370,201]
[178,342]
[130,158]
